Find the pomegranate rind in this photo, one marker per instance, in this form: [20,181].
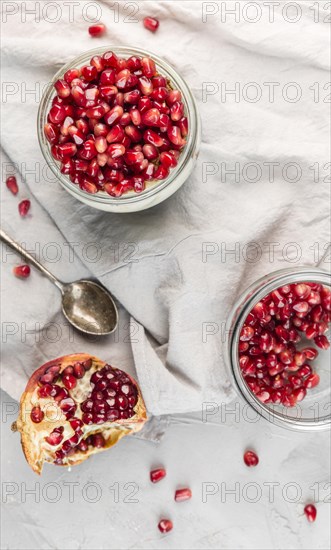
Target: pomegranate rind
[33,434]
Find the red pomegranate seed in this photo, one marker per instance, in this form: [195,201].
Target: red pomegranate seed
[310,353]
[97,30]
[312,380]
[37,415]
[71,74]
[157,475]
[22,271]
[151,117]
[153,138]
[175,136]
[173,96]
[151,23]
[24,207]
[299,394]
[251,458]
[55,437]
[69,381]
[165,525]
[169,161]
[183,494]
[183,126]
[62,88]
[310,512]
[135,117]
[11,183]
[57,114]
[67,149]
[322,342]
[145,85]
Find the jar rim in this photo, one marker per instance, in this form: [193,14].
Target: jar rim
[155,188]
[238,314]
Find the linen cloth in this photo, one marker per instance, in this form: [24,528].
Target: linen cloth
[175,269]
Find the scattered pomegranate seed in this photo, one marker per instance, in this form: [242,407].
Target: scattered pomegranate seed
[151,23]
[157,475]
[24,207]
[11,183]
[22,271]
[111,108]
[251,458]
[97,30]
[183,494]
[310,512]
[165,525]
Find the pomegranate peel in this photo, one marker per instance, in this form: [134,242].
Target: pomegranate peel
[51,416]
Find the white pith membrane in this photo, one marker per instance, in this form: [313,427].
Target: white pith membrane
[37,450]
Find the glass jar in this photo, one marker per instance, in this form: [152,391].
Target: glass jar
[156,191]
[313,412]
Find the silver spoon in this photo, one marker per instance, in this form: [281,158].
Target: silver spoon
[87,305]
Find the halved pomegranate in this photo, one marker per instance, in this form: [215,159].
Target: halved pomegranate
[76,406]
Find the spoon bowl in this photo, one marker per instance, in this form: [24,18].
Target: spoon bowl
[89,307]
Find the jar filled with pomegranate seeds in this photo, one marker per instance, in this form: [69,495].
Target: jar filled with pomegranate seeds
[278,349]
[144,153]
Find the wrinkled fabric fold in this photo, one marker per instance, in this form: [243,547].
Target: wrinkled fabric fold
[176,269]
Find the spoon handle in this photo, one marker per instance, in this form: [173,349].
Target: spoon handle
[17,248]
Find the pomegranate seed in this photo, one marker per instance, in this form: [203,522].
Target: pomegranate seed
[67,149]
[97,30]
[132,97]
[24,207]
[175,136]
[87,364]
[161,172]
[37,415]
[151,24]
[310,353]
[322,342]
[153,138]
[135,117]
[115,150]
[145,86]
[251,458]
[22,271]
[151,117]
[177,111]
[98,441]
[310,512]
[101,144]
[71,74]
[150,152]
[62,88]
[57,114]
[69,381]
[55,437]
[183,126]
[301,307]
[299,394]
[51,133]
[312,381]
[165,525]
[173,97]
[11,183]
[183,494]
[157,475]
